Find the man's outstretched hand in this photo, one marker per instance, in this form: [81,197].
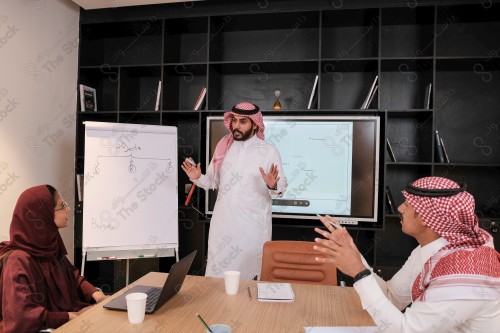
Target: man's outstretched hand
[271,178]
[193,172]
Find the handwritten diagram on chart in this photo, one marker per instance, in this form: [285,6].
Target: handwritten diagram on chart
[317,159]
[130,184]
[123,156]
[122,148]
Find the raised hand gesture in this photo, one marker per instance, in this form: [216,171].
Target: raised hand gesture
[193,172]
[338,248]
[271,178]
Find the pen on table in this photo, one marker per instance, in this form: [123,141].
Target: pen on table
[204,324]
[249,293]
[332,223]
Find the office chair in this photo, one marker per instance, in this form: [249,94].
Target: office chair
[293,261]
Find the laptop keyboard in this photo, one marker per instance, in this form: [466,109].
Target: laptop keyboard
[153,295]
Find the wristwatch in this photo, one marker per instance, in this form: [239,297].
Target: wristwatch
[274,189]
[364,273]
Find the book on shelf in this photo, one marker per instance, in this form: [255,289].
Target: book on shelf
[88,101]
[427,97]
[446,158]
[439,148]
[200,99]
[389,200]
[371,93]
[313,97]
[372,96]
[390,151]
[275,292]
[158,93]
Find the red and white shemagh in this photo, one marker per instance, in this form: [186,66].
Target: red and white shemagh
[225,143]
[468,267]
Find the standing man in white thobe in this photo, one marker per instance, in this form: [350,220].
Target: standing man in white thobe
[248,173]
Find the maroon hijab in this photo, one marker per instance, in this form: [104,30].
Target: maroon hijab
[34,231]
[32,228]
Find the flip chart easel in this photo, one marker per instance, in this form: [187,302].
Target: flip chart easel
[130,207]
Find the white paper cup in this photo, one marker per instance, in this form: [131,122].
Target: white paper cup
[220,328]
[231,282]
[136,307]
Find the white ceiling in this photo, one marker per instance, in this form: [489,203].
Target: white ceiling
[96,4]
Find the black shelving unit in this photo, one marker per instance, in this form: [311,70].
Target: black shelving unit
[239,51]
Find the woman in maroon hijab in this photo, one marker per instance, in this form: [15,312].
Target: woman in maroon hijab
[39,287]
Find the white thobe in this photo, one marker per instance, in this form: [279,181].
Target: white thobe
[241,220]
[385,300]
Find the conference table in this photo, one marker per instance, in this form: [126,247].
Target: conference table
[314,305]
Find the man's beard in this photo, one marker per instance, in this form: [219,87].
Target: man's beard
[243,136]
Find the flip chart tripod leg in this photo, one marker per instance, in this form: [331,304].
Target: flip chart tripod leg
[82,271]
[127,273]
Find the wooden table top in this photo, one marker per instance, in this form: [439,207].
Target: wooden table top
[314,305]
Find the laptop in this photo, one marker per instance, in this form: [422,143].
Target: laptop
[157,296]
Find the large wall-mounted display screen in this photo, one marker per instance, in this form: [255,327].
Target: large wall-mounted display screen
[331,163]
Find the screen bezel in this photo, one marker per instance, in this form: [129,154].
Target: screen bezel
[354,220]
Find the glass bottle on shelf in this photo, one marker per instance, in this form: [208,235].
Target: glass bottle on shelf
[277,104]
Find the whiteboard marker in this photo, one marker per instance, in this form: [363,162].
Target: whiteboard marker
[190,160]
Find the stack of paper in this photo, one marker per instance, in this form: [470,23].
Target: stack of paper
[275,292]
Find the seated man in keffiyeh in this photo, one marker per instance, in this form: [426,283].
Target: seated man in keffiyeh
[451,280]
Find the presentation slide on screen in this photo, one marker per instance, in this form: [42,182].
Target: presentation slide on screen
[317,160]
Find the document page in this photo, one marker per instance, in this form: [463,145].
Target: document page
[342,329]
[275,292]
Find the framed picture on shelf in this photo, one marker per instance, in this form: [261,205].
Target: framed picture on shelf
[88,100]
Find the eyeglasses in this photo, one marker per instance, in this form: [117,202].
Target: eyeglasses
[63,205]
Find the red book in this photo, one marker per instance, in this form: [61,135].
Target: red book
[199,101]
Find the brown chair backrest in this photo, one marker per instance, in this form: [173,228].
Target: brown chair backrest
[293,261]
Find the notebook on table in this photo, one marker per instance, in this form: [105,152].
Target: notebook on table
[275,292]
[157,296]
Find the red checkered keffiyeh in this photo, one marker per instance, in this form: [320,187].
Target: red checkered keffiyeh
[468,267]
[241,109]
